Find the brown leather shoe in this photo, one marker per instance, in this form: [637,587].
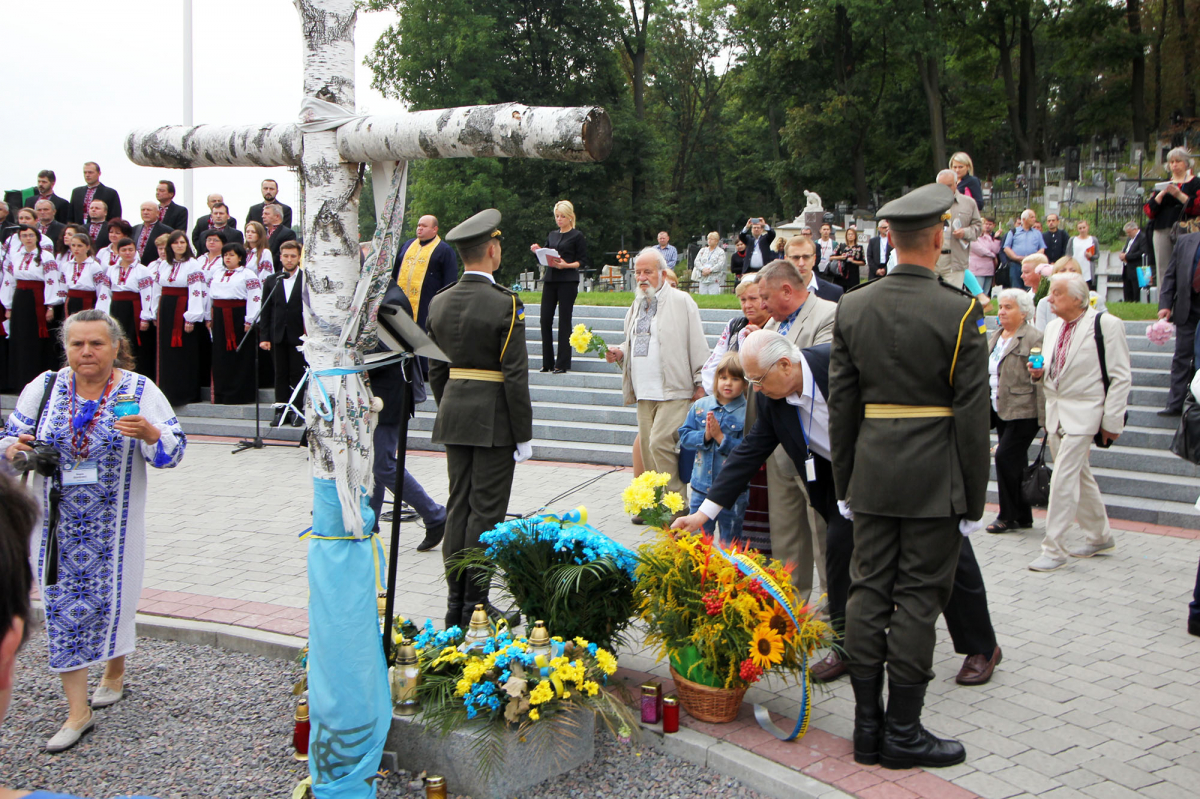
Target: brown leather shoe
[829,669]
[977,669]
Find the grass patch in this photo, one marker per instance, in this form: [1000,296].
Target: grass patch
[623,299]
[1133,311]
[1129,311]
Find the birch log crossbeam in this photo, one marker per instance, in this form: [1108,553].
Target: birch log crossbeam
[507,130]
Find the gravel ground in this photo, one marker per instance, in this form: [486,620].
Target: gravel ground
[202,722]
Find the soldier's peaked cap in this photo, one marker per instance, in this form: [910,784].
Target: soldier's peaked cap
[480,228]
[921,208]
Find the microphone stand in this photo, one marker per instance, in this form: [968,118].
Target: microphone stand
[398,490]
[257,442]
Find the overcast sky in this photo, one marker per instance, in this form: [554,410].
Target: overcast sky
[100,69]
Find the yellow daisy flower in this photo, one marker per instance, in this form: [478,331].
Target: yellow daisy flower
[766,647]
[606,661]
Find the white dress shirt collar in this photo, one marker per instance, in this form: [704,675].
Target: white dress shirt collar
[488,275]
[814,413]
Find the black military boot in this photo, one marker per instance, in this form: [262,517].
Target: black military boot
[868,717]
[476,594]
[905,742]
[455,586]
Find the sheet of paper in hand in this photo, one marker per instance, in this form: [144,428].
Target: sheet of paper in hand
[547,256]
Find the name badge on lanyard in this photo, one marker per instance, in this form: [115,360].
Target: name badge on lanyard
[82,473]
[810,470]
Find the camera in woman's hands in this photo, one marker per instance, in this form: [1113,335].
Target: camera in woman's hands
[41,458]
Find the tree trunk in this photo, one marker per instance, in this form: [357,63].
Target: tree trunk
[504,130]
[1187,45]
[927,67]
[1029,83]
[1137,78]
[1011,90]
[635,47]
[1158,45]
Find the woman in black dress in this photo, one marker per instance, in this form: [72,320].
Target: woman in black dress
[851,258]
[560,285]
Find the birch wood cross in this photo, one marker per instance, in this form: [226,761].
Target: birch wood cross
[347,674]
[329,165]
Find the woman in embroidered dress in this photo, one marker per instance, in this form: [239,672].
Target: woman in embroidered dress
[30,295]
[26,217]
[258,262]
[183,294]
[133,302]
[83,277]
[62,247]
[117,229]
[91,589]
[258,254]
[235,296]
[209,262]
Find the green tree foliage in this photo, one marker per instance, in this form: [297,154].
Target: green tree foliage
[724,110]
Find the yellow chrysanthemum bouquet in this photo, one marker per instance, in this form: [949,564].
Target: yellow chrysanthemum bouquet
[504,682]
[584,340]
[647,496]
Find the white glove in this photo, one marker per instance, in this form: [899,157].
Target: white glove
[524,452]
[966,526]
[844,509]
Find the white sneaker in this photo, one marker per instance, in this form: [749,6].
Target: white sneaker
[68,736]
[1091,550]
[104,696]
[1045,563]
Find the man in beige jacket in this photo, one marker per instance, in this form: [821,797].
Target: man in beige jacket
[661,358]
[963,227]
[1079,407]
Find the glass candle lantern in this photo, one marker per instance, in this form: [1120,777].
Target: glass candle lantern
[1036,359]
[406,679]
[539,641]
[670,714]
[479,631]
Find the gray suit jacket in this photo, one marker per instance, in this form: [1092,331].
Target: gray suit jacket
[1176,290]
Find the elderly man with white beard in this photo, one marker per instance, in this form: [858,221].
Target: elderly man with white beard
[661,358]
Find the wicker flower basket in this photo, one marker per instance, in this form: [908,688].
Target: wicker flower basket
[714,705]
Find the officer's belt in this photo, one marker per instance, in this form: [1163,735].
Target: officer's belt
[884,411]
[486,375]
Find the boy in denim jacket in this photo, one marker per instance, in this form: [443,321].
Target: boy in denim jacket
[714,426]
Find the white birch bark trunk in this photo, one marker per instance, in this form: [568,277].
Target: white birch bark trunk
[508,130]
[331,190]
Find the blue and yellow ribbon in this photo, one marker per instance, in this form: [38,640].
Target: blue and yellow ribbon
[746,565]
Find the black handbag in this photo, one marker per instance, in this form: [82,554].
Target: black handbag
[1186,443]
[1035,480]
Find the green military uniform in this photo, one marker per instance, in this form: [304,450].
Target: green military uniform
[483,402]
[908,420]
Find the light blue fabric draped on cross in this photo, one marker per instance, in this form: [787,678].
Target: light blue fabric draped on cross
[348,692]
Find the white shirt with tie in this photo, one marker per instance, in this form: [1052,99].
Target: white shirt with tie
[813,413]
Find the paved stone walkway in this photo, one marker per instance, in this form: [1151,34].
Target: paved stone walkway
[1096,698]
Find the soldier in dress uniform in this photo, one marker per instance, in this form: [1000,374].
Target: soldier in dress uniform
[484,417]
[908,422]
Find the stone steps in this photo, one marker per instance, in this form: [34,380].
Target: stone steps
[579,417]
